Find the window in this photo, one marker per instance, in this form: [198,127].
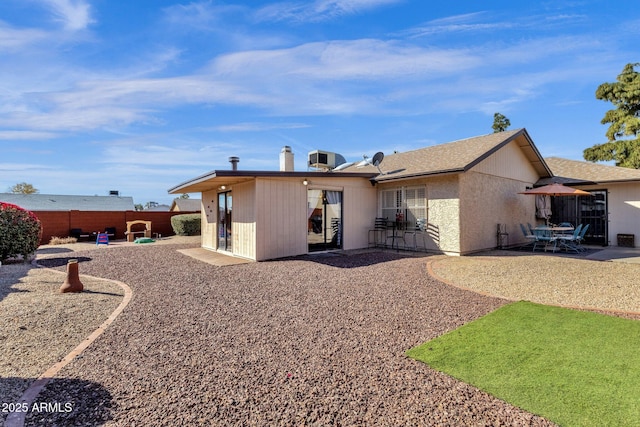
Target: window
[411,202]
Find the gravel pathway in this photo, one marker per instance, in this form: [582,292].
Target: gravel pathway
[307,341]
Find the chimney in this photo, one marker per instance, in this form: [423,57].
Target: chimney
[286,159]
[234,162]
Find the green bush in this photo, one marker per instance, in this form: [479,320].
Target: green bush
[20,232]
[186,225]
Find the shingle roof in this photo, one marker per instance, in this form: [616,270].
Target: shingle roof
[453,157]
[54,202]
[577,172]
[186,205]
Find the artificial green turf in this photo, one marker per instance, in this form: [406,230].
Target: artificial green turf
[572,367]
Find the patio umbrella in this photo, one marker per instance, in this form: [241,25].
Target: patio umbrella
[556,189]
[543,201]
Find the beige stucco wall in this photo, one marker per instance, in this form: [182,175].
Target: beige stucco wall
[623,209]
[489,196]
[442,211]
[487,201]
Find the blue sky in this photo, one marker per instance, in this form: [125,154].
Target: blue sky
[139,96]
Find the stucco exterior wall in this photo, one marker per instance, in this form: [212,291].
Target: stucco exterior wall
[623,201]
[443,209]
[485,202]
[489,196]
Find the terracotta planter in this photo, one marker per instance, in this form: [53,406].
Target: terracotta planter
[72,283]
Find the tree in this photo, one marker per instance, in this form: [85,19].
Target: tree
[182,196]
[624,120]
[500,123]
[23,188]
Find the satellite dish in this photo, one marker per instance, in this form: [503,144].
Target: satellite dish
[377,158]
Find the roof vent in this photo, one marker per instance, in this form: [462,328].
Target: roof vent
[234,162]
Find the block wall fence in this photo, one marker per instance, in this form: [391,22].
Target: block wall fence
[60,223]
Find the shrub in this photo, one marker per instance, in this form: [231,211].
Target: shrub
[186,225]
[62,240]
[20,232]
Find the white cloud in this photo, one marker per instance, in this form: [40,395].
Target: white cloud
[25,135]
[318,10]
[74,14]
[259,127]
[201,15]
[13,39]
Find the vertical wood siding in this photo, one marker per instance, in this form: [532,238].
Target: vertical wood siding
[209,219]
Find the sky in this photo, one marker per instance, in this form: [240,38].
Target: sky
[140,96]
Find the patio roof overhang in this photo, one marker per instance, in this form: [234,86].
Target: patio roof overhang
[215,179]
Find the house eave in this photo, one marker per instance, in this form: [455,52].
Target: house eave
[217,178]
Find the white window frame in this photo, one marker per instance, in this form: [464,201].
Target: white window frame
[410,201]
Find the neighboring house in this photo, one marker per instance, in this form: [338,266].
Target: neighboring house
[54,202]
[186,205]
[158,208]
[614,208]
[463,189]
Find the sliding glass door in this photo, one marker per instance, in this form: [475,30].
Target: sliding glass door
[224,221]
[324,224]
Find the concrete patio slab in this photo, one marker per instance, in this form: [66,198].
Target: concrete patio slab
[212,257]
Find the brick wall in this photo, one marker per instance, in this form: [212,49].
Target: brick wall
[59,223]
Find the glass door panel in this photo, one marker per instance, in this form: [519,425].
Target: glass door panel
[324,225]
[224,221]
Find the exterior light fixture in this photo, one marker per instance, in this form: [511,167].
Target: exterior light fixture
[223,187]
[305,182]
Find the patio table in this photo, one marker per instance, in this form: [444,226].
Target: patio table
[554,232]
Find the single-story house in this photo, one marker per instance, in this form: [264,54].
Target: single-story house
[57,202]
[462,189]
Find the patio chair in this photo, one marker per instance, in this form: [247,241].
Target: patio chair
[528,236]
[546,238]
[568,242]
[580,238]
[419,229]
[379,232]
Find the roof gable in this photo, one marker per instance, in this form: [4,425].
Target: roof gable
[454,157]
[186,205]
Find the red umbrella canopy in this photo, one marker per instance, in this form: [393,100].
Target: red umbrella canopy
[556,189]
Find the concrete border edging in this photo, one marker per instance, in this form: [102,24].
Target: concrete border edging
[16,419]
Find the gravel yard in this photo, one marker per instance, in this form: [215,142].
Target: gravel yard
[308,341]
[32,313]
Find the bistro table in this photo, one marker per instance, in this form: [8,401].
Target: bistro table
[397,232]
[550,234]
